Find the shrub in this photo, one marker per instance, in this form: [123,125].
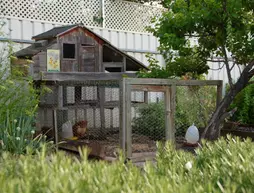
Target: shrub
[19,101]
[193,105]
[245,106]
[151,120]
[225,166]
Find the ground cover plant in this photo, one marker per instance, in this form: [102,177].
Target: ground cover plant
[225,166]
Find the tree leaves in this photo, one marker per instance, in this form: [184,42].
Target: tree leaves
[215,24]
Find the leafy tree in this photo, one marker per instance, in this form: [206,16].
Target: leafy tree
[225,32]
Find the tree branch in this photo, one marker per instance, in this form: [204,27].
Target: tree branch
[223,49]
[218,68]
[251,73]
[212,60]
[232,66]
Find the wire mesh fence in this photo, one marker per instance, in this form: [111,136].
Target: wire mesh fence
[162,116]
[100,112]
[85,111]
[148,121]
[194,105]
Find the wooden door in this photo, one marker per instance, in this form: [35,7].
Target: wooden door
[87,59]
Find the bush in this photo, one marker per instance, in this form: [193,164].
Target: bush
[245,106]
[225,166]
[19,101]
[193,105]
[151,121]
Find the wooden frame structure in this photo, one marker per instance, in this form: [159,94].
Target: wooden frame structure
[162,85]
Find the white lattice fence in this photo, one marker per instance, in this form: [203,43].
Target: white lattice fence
[129,16]
[120,15]
[61,11]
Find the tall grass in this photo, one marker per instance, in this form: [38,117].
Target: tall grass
[225,166]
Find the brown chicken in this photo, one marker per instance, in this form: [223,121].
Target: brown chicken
[79,129]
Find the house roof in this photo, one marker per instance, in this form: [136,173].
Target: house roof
[59,31]
[54,32]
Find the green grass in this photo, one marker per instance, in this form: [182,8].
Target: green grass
[226,166]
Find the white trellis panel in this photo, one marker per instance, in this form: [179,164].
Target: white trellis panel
[129,16]
[62,11]
[120,15]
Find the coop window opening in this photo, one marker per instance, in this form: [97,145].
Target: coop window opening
[69,51]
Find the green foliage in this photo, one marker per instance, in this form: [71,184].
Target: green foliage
[151,121]
[155,70]
[226,166]
[217,26]
[193,105]
[245,106]
[19,101]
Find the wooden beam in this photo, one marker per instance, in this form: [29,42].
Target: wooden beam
[153,88]
[128,120]
[55,127]
[101,95]
[112,64]
[153,81]
[60,97]
[122,115]
[124,63]
[82,76]
[167,114]
[172,112]
[146,97]
[100,59]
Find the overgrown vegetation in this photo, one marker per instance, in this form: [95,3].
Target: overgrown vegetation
[18,101]
[193,105]
[226,166]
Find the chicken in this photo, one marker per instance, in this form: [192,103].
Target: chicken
[79,129]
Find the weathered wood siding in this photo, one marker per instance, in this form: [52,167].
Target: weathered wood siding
[86,52]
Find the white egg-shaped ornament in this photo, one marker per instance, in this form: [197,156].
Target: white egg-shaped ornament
[192,135]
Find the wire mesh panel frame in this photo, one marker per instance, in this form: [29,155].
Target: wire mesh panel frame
[166,86]
[108,96]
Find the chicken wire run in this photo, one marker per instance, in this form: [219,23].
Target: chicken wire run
[130,114]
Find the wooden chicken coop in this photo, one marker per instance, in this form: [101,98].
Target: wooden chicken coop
[83,71]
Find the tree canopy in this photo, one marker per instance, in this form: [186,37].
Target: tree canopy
[224,30]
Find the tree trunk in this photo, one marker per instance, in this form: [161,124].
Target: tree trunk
[212,131]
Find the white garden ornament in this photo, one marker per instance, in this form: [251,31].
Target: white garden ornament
[192,135]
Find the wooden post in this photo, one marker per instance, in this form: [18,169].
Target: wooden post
[124,64]
[172,111]
[102,110]
[128,120]
[78,94]
[146,97]
[122,115]
[100,67]
[167,114]
[55,127]
[219,94]
[60,97]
